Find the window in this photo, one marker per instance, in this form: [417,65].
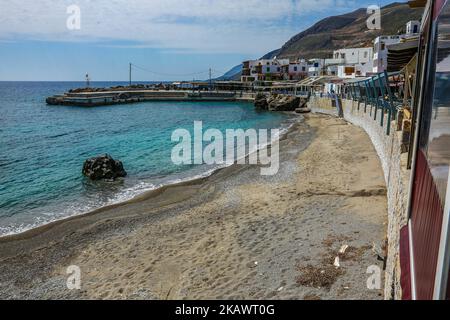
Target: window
[349,71]
[342,55]
[303,68]
[383,46]
[316,64]
[268,69]
[366,54]
[278,69]
[435,141]
[295,69]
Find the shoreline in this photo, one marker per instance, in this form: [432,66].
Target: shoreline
[198,178]
[155,246]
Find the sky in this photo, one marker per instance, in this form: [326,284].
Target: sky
[62,40]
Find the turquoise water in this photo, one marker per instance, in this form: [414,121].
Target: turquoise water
[42,149]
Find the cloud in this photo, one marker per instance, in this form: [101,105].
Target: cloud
[239,26]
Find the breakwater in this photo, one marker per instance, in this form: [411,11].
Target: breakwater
[112,97]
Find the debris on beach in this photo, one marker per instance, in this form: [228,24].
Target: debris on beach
[343,249]
[336,262]
[319,277]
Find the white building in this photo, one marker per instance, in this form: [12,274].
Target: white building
[273,66]
[332,70]
[263,69]
[412,28]
[380,54]
[315,67]
[359,58]
[296,70]
[381,45]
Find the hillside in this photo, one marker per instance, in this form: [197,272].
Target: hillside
[347,30]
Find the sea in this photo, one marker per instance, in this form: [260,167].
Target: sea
[43,148]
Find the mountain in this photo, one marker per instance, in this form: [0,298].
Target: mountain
[271,54]
[233,74]
[347,31]
[344,31]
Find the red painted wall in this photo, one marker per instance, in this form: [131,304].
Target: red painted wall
[426,216]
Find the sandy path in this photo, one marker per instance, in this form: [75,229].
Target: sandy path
[239,236]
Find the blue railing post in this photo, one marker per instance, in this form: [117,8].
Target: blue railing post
[380,82]
[366,96]
[391,97]
[374,97]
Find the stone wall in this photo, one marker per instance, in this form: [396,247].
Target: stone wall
[389,150]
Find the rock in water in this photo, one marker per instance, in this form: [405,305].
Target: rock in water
[103,168]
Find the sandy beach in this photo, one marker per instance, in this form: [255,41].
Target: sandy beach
[234,235]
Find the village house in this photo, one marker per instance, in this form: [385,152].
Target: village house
[381,51]
[382,43]
[263,69]
[355,62]
[296,70]
[315,68]
[346,63]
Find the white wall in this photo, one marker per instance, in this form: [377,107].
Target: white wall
[381,51]
[354,55]
[361,58]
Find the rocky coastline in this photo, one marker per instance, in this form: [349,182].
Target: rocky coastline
[281,102]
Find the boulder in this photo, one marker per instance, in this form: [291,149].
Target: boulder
[303,110]
[303,103]
[103,168]
[283,102]
[261,102]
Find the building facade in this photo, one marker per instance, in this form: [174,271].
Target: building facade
[380,51]
[353,62]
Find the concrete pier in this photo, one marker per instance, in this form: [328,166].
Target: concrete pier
[103,98]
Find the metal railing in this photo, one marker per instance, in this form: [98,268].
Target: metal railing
[376,93]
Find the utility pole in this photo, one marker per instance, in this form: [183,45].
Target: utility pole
[130,75]
[88,80]
[210,80]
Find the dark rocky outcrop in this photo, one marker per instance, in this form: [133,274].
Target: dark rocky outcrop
[280,102]
[303,107]
[283,102]
[261,102]
[302,110]
[103,168]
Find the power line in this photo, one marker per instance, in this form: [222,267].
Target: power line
[206,72]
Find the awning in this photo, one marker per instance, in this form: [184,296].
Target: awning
[400,54]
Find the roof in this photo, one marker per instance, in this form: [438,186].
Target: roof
[401,53]
[356,80]
[314,81]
